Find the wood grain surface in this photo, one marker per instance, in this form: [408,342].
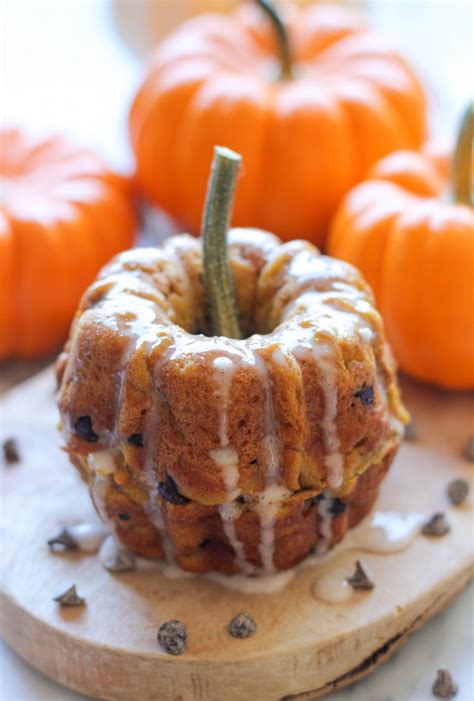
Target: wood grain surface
[303,648]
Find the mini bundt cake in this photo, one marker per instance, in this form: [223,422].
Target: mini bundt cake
[223,454]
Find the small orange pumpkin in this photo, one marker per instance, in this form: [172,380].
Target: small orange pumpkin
[63,214]
[416,249]
[309,112]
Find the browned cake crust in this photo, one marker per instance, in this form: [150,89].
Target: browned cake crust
[221,454]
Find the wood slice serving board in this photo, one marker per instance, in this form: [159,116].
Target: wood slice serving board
[303,648]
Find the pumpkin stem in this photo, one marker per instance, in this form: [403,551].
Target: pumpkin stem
[286,71]
[462,162]
[218,281]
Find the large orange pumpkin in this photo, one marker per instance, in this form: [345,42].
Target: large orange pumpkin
[63,214]
[414,243]
[307,131]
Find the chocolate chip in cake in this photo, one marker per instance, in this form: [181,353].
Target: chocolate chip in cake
[366,395]
[315,500]
[136,439]
[10,451]
[457,491]
[63,541]
[410,432]
[337,507]
[444,687]
[83,428]
[360,579]
[124,517]
[173,636]
[242,626]
[169,492]
[244,499]
[469,449]
[436,526]
[311,501]
[70,598]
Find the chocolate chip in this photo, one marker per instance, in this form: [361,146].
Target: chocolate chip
[366,395]
[242,626]
[136,439]
[436,526]
[243,499]
[360,579]
[122,561]
[444,687]
[469,449]
[63,541]
[457,491]
[124,517]
[205,543]
[169,491]
[173,636]
[70,598]
[10,451]
[410,432]
[337,507]
[83,428]
[310,502]
[314,500]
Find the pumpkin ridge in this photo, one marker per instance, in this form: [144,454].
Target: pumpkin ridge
[300,206]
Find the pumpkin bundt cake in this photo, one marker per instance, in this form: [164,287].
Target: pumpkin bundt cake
[223,454]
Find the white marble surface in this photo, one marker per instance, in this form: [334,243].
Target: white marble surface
[63,67]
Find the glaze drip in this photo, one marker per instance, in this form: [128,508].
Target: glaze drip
[230,513]
[228,460]
[325,522]
[334,460]
[267,507]
[223,371]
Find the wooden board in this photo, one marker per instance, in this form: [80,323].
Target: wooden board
[303,648]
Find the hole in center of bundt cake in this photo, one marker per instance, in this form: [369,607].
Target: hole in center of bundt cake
[199,322]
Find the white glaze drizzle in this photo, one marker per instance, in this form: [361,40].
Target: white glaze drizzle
[366,334]
[386,531]
[325,523]
[271,442]
[114,557]
[98,489]
[152,506]
[229,513]
[331,586]
[264,584]
[267,507]
[334,460]
[101,462]
[268,501]
[227,459]
[238,582]
[383,533]
[87,536]
[223,369]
